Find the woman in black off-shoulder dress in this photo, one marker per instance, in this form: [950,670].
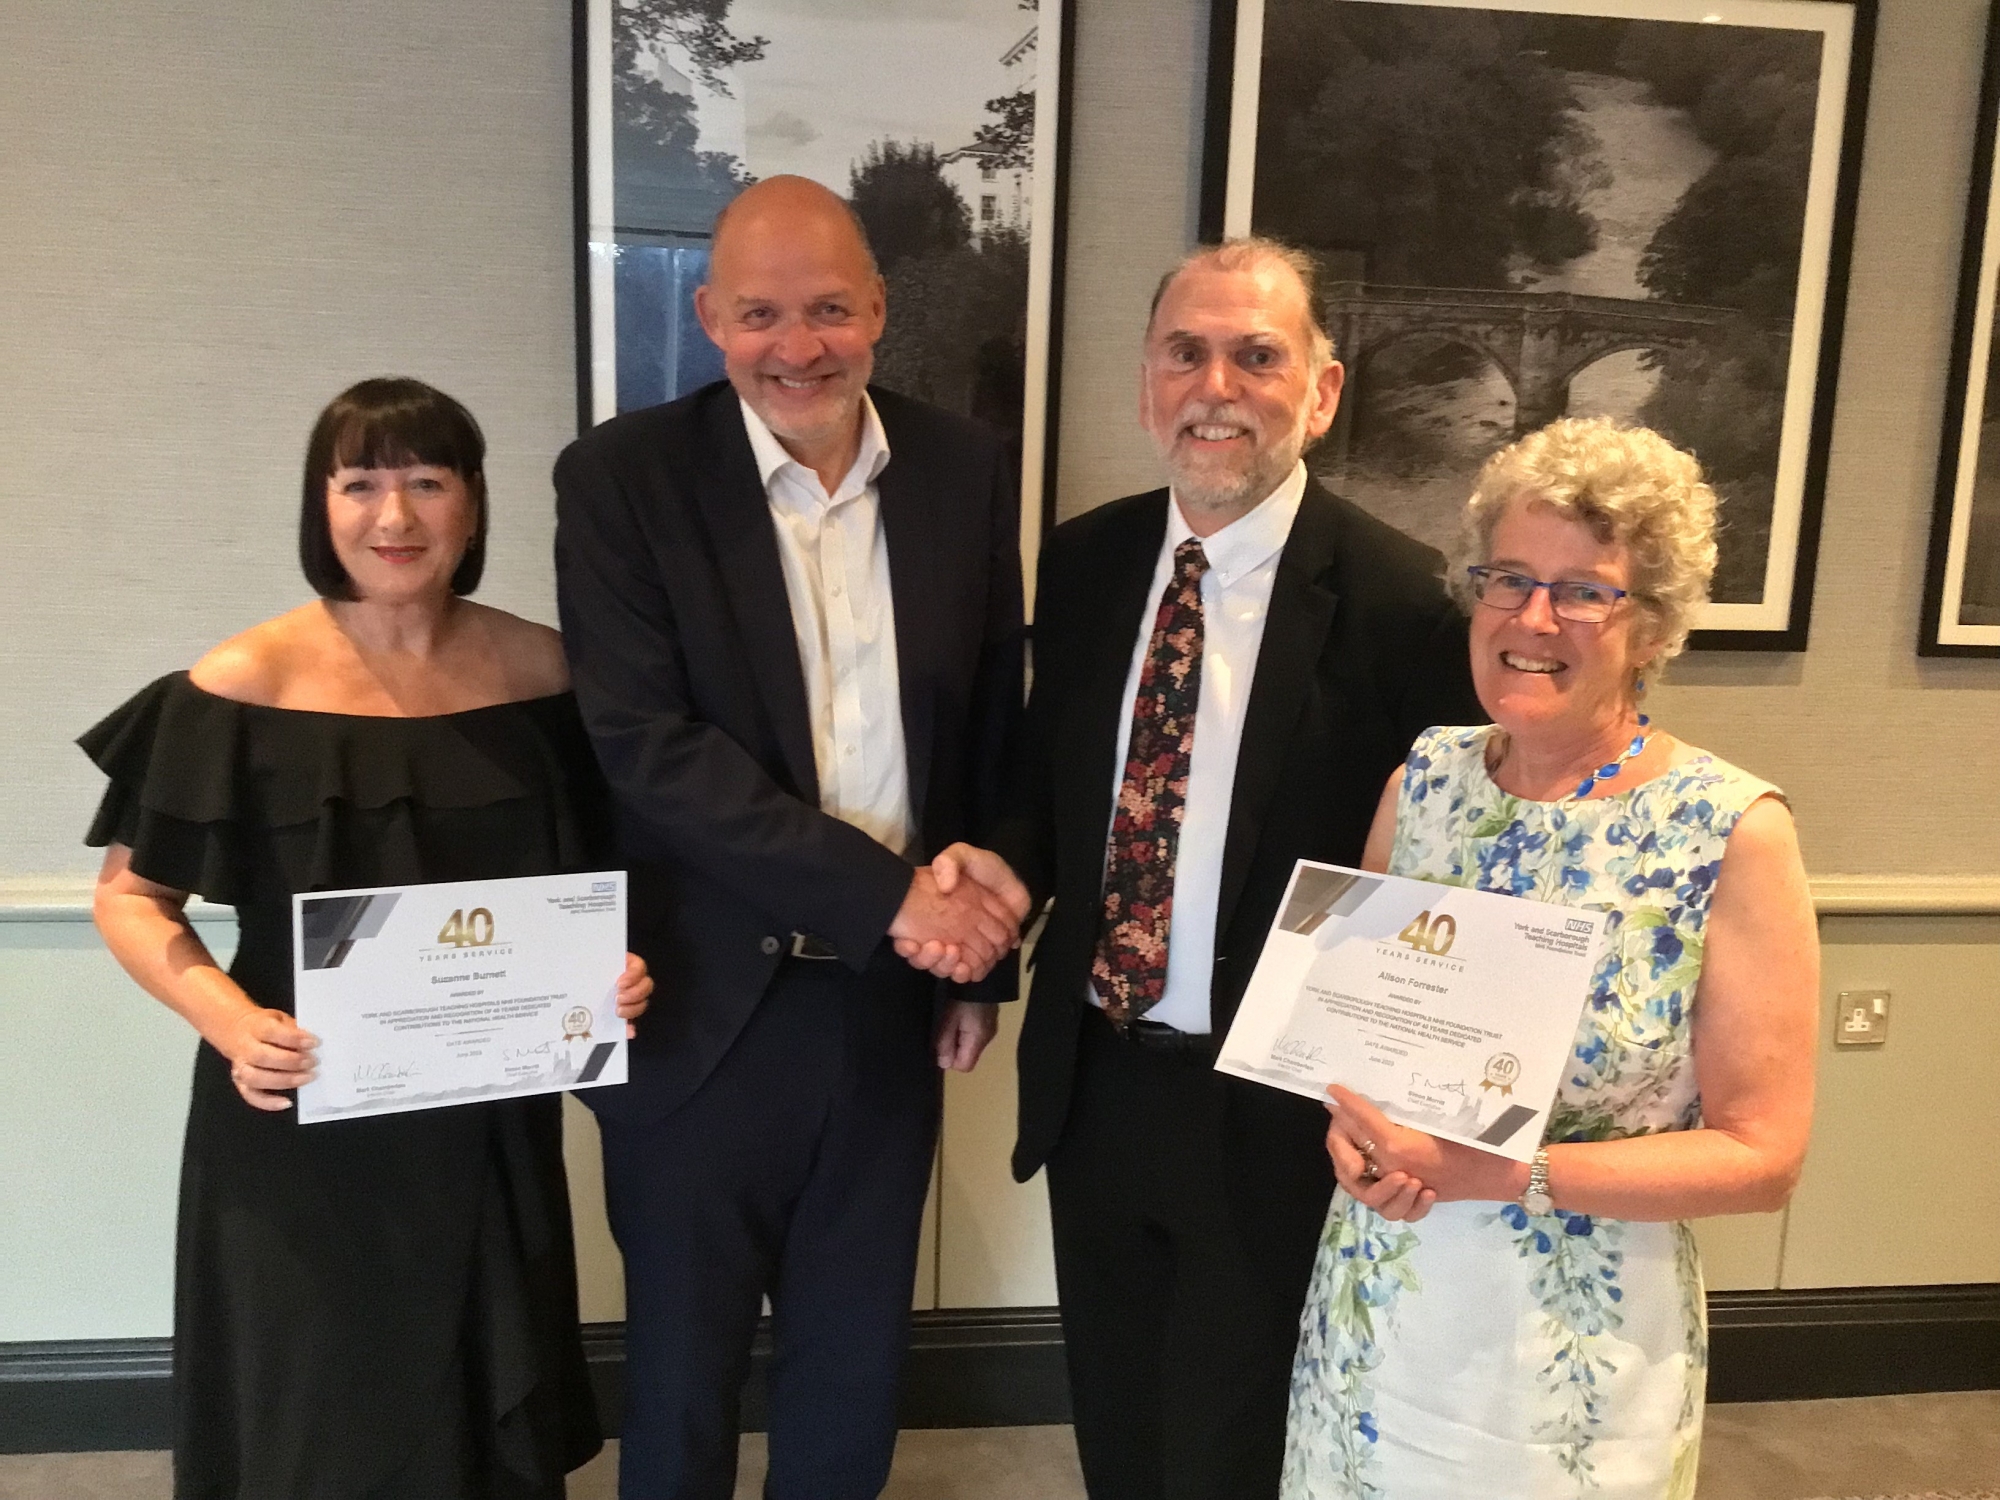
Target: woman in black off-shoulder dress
[381,1307]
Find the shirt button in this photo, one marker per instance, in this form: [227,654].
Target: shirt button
[770,945]
[847,750]
[835,591]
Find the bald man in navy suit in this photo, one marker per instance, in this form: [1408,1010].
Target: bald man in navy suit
[792,606]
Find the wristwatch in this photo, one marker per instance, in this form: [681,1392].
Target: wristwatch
[1536,1199]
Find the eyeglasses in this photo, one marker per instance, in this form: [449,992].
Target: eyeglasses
[1574,599]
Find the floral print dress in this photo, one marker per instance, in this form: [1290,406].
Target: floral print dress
[1482,1351]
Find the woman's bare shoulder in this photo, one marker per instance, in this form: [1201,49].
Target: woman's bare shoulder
[532,653]
[254,667]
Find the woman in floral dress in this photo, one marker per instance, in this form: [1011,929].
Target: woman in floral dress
[1477,1326]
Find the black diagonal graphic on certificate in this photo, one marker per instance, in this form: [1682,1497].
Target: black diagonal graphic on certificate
[1511,1119]
[330,926]
[600,1054]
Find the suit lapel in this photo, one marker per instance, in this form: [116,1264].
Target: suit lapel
[746,553]
[1302,609]
[909,529]
[1122,592]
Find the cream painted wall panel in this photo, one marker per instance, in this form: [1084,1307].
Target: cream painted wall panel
[600,1273]
[1900,1187]
[994,1248]
[93,1100]
[1740,1253]
[216,217]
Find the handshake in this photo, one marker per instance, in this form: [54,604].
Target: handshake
[962,916]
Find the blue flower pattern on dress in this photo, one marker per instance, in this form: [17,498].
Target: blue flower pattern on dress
[1648,856]
[1362,1270]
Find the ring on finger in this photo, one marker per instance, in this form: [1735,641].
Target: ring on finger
[1371,1172]
[1366,1148]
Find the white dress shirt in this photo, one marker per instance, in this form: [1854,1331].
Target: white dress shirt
[836,564]
[1235,601]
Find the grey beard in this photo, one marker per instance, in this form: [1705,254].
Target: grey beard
[1225,493]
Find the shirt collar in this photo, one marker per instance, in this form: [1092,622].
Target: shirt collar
[1251,540]
[772,458]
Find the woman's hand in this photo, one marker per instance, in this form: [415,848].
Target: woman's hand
[269,1054]
[635,992]
[1400,1172]
[146,928]
[1359,1150]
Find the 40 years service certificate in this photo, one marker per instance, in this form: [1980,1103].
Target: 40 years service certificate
[1453,1010]
[427,995]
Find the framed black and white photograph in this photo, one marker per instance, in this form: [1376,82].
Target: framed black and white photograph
[1525,209]
[940,120]
[1962,580]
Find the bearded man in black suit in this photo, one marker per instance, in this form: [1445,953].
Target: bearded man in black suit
[1226,671]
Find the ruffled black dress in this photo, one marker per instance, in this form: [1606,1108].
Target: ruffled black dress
[379,1307]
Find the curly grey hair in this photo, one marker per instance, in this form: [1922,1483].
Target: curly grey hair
[1632,488]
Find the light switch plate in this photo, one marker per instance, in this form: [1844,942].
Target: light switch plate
[1861,1018]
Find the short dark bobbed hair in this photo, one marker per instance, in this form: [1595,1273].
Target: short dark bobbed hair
[389,422]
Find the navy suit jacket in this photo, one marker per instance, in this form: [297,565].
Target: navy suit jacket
[1362,651]
[681,647]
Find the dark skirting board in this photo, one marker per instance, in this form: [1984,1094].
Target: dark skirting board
[1003,1367]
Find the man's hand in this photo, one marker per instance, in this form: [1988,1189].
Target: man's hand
[960,868]
[974,926]
[964,1029]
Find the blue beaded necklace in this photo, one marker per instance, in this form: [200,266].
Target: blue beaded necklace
[1612,767]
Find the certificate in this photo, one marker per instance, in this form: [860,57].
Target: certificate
[428,995]
[1453,1010]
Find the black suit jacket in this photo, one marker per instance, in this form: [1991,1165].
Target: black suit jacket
[680,641]
[1362,650]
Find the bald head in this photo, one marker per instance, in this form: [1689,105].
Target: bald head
[794,303]
[791,206]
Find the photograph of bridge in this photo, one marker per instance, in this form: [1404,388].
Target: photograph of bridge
[1522,212]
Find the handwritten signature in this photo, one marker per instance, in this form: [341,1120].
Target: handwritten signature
[1298,1050]
[382,1072]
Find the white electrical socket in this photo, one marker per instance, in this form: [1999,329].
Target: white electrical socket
[1861,1018]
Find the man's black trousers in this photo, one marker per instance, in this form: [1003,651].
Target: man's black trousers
[1179,1316]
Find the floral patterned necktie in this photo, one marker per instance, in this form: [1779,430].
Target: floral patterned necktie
[1130,966]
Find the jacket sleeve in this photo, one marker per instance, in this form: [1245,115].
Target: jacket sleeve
[687,793]
[994,729]
[1024,834]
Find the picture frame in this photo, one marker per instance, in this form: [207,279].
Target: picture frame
[1961,606]
[1529,208]
[957,168]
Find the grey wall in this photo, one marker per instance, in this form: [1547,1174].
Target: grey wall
[216,216]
